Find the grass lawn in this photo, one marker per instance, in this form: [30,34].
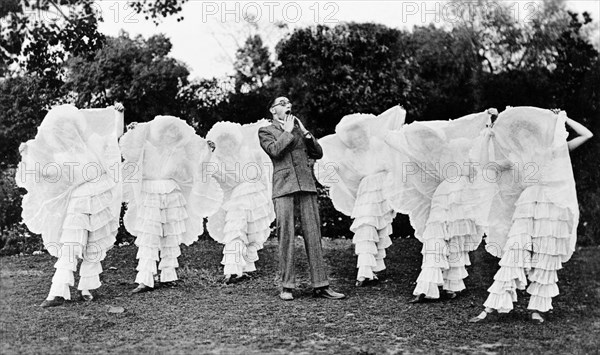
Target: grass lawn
[203,316]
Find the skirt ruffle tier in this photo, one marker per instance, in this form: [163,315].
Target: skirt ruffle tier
[451,232]
[88,232]
[372,226]
[538,244]
[160,228]
[248,216]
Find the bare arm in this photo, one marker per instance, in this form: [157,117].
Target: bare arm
[584,134]
[484,154]
[500,162]
[120,118]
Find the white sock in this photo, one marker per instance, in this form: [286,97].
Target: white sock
[537,316]
[484,314]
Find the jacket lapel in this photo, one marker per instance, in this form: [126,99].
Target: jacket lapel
[279,130]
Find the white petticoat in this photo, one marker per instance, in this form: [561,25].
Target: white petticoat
[451,232]
[538,244]
[372,225]
[88,232]
[159,229]
[248,215]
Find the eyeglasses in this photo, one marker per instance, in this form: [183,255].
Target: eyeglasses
[282,102]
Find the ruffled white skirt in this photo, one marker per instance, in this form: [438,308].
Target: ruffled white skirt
[538,244]
[88,232]
[451,232]
[372,226]
[248,215]
[159,229]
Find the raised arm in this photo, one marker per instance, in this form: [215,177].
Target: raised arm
[120,118]
[274,146]
[313,147]
[583,134]
[484,154]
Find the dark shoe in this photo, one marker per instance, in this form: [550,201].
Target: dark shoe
[230,279]
[418,299]
[381,275]
[141,288]
[56,301]
[327,292]
[366,282]
[168,284]
[449,295]
[286,294]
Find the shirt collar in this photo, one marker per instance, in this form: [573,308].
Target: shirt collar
[278,123]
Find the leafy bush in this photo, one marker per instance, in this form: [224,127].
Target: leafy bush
[333,223]
[10,200]
[15,238]
[18,239]
[337,225]
[589,224]
[23,104]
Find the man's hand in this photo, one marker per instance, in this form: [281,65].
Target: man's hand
[119,107]
[211,145]
[288,123]
[302,128]
[493,112]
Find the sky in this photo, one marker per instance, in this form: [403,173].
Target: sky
[211,31]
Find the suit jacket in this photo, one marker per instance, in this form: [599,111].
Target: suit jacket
[289,152]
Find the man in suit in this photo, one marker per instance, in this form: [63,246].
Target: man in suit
[290,145]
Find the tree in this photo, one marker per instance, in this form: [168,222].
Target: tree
[443,75]
[253,66]
[157,9]
[40,35]
[503,41]
[135,71]
[575,81]
[201,99]
[331,72]
[24,102]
